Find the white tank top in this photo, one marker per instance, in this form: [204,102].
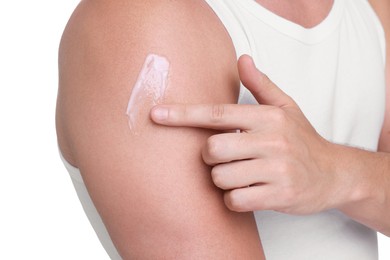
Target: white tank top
[335,72]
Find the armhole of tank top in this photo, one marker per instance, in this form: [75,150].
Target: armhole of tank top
[379,28]
[73,171]
[223,13]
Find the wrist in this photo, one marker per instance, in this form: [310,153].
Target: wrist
[348,187]
[361,185]
[360,179]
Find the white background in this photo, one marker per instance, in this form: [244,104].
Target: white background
[40,215]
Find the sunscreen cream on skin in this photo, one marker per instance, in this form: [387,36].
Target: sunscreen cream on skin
[149,89]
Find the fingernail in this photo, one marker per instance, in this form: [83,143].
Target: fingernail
[160,113]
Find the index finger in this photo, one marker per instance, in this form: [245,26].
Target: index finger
[211,116]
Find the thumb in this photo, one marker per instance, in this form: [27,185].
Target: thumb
[262,88]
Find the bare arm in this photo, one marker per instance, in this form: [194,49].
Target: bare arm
[152,189]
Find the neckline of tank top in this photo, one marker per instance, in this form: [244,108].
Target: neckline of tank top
[311,35]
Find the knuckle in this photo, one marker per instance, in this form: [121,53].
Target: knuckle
[280,143]
[179,114]
[213,147]
[283,144]
[264,80]
[242,140]
[185,111]
[278,115]
[217,112]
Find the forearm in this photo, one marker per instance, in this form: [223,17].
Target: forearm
[365,186]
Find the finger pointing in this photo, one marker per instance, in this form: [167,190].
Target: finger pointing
[212,116]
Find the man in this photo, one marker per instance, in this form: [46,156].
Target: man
[153,189]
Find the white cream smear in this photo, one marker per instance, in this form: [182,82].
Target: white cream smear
[149,89]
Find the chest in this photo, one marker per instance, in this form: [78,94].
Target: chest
[335,71]
[308,14]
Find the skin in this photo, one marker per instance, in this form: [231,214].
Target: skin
[278,161]
[152,190]
[307,13]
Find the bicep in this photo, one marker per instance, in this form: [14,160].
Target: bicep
[150,186]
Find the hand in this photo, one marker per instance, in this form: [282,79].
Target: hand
[277,161]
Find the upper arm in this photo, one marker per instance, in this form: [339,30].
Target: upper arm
[152,189]
[382,8]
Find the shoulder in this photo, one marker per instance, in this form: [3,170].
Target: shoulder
[146,25]
[382,10]
[186,30]
[106,42]
[120,34]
